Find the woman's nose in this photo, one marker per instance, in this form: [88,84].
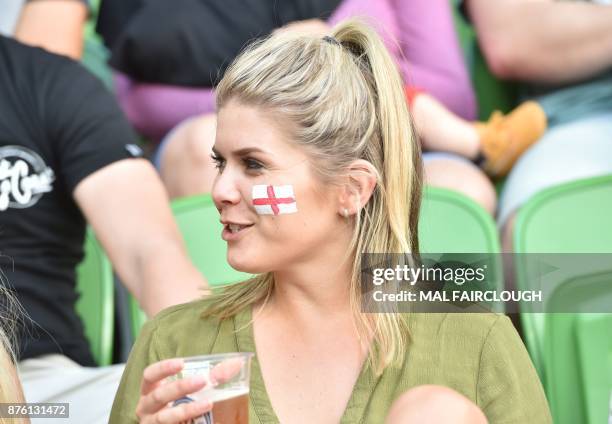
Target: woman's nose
[225,190]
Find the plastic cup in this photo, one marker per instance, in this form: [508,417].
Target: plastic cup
[227,378]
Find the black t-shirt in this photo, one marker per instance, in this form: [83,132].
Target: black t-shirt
[58,124]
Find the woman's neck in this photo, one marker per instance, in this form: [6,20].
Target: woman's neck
[319,289]
[322,291]
[316,286]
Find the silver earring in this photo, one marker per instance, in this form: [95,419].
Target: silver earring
[345,213]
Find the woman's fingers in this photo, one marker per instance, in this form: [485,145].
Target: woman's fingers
[182,413]
[156,395]
[163,395]
[155,373]
[226,370]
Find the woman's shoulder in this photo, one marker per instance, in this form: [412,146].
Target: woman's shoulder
[464,334]
[480,355]
[471,325]
[181,314]
[485,353]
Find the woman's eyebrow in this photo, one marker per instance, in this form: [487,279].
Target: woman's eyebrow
[247,150]
[242,152]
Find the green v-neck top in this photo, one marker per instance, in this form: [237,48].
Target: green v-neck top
[478,355]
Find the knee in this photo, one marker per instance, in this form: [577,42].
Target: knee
[507,235]
[200,137]
[185,164]
[190,142]
[434,404]
[462,177]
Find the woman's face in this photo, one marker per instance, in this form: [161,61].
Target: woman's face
[295,215]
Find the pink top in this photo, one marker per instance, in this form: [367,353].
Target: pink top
[420,34]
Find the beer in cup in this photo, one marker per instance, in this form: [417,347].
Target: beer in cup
[227,386]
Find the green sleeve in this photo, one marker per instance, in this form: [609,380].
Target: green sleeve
[508,387]
[143,353]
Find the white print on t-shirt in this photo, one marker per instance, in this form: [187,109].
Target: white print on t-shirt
[134,150]
[24,177]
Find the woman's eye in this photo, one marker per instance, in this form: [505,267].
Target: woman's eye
[218,161]
[253,164]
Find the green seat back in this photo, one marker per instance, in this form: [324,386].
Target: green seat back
[198,221]
[595,364]
[96,302]
[451,223]
[571,218]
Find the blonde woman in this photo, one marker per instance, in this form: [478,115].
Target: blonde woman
[324,119]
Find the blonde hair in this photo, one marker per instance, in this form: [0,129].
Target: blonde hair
[343,99]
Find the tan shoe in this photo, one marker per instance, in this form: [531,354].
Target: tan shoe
[503,139]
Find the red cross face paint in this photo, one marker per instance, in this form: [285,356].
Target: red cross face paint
[274,200]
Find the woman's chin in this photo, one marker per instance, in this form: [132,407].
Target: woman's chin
[243,264]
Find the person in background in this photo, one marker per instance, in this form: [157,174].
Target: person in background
[562,53]
[68,158]
[321,125]
[167,77]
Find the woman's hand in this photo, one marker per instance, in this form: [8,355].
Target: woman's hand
[156,395]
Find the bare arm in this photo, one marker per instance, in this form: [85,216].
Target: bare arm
[544,40]
[55,25]
[128,209]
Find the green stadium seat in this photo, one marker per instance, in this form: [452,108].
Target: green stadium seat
[96,302]
[595,364]
[571,218]
[450,223]
[453,223]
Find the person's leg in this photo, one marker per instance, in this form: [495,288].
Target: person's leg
[185,163]
[576,150]
[442,130]
[578,101]
[507,229]
[88,391]
[568,152]
[497,143]
[434,405]
[458,174]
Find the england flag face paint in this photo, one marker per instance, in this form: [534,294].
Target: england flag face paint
[274,200]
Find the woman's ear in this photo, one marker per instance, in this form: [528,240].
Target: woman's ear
[361,178]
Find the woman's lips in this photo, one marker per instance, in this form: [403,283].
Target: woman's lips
[233,232]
